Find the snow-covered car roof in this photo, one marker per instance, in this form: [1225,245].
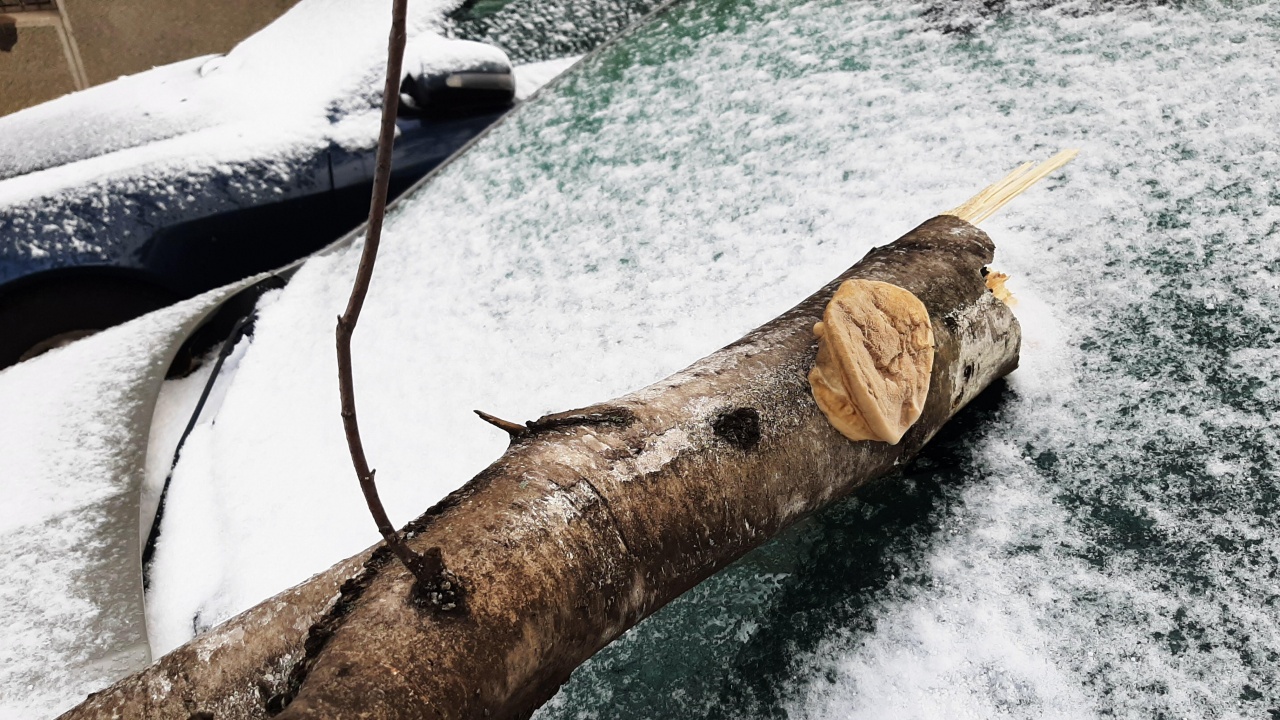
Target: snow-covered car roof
[290,85]
[213,132]
[1098,537]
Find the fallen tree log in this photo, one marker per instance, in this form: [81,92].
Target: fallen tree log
[591,521]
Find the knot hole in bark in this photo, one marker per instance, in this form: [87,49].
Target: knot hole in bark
[440,590]
[739,427]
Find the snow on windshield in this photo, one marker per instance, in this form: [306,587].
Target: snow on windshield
[1097,538]
[537,30]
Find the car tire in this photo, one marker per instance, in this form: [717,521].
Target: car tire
[40,317]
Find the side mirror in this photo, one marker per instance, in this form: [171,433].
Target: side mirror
[455,78]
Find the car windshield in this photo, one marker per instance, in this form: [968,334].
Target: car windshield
[1095,536]
[536,30]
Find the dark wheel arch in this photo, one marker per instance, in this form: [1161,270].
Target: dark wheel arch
[33,311]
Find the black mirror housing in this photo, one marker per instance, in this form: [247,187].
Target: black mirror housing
[467,88]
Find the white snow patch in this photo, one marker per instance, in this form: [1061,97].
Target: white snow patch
[72,436]
[531,77]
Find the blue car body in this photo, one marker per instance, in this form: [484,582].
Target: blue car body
[227,227]
[80,256]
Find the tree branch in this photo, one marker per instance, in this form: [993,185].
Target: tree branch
[596,519]
[364,274]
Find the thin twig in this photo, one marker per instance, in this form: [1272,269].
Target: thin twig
[347,321]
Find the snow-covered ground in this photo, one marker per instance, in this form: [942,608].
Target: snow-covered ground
[1099,538]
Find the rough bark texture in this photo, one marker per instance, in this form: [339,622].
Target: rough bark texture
[594,519]
[236,669]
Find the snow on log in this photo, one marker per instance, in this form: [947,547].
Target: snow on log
[591,521]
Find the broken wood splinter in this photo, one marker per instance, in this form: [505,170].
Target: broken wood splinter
[998,194]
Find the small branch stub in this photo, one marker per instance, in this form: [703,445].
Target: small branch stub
[515,430]
[441,591]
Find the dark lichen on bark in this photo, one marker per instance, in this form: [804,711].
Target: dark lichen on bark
[739,427]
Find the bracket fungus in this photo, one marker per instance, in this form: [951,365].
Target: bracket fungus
[875,358]
[875,342]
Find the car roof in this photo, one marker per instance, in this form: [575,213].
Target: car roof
[316,66]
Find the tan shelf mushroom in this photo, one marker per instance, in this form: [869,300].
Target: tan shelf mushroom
[875,340]
[875,354]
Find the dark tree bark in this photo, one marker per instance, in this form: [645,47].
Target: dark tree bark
[591,521]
